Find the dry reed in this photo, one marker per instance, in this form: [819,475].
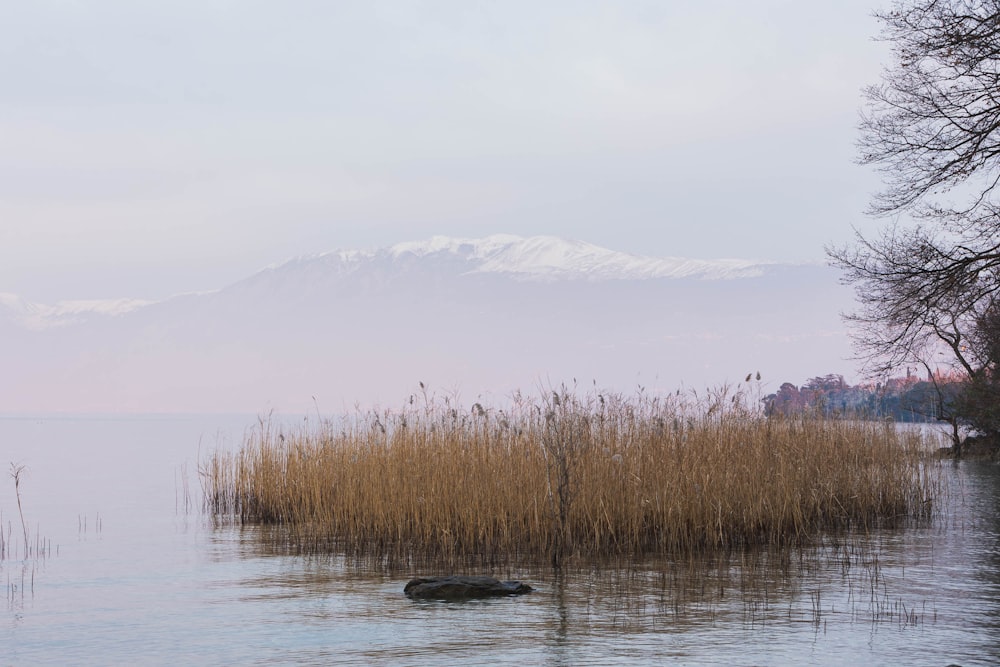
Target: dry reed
[567,477]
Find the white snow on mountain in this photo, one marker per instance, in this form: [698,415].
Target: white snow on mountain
[36,316]
[552,258]
[492,315]
[543,258]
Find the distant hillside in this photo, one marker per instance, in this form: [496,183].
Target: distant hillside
[468,315]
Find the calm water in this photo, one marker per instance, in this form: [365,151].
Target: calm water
[131,578]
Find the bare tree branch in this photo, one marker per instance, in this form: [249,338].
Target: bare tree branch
[932,126]
[934,121]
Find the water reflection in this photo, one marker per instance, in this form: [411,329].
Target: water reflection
[926,592]
[158,586]
[557,648]
[975,559]
[850,588]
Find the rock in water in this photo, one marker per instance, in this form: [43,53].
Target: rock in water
[462,588]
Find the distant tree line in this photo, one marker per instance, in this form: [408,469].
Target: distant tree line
[902,399]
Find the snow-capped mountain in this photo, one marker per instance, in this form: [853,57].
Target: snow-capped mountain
[63,313]
[547,258]
[538,258]
[479,315]
[541,258]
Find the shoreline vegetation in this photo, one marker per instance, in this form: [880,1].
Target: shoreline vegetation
[567,478]
[913,398]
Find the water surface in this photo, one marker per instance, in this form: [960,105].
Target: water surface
[132,573]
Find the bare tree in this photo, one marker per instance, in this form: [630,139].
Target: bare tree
[919,297]
[932,126]
[933,123]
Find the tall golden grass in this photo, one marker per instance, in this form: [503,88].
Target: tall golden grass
[567,476]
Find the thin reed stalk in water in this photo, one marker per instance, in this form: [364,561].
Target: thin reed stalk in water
[16,471]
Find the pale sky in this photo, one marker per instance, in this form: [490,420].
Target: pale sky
[150,148]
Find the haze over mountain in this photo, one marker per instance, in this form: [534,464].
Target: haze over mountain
[479,317]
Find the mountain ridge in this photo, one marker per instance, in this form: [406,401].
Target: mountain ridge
[550,257]
[365,327]
[533,258]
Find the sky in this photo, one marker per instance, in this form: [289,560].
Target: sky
[154,148]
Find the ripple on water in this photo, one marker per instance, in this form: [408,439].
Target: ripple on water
[157,587]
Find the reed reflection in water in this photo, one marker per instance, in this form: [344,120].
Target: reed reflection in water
[856,599]
[157,586]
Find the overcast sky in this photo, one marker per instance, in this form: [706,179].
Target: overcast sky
[150,148]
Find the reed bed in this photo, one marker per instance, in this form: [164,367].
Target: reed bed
[567,477]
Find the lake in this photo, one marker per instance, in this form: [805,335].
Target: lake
[128,571]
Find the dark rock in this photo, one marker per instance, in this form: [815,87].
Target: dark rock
[462,588]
